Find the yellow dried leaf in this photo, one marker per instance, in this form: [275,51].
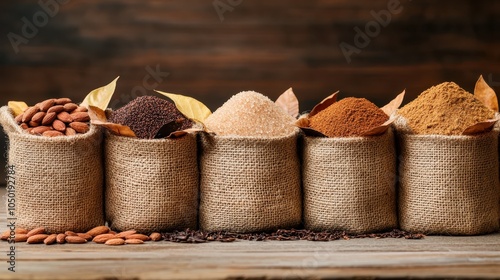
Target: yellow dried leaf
[96,113]
[392,106]
[188,106]
[117,129]
[100,97]
[486,94]
[17,107]
[289,103]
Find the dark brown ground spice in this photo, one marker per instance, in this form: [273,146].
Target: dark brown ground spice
[145,115]
[349,117]
[197,236]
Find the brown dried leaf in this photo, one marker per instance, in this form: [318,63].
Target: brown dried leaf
[392,106]
[303,124]
[381,129]
[324,104]
[97,114]
[289,103]
[180,133]
[486,94]
[480,127]
[117,129]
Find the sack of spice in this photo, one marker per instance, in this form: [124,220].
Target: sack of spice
[58,181]
[151,181]
[349,175]
[250,171]
[449,177]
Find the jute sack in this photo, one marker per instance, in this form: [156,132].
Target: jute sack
[349,183]
[448,184]
[58,181]
[151,185]
[249,184]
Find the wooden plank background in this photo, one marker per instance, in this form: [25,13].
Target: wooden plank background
[267,46]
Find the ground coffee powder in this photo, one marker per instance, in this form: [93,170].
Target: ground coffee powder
[145,115]
[445,109]
[250,113]
[348,118]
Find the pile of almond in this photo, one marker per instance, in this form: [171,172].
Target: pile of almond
[100,234]
[55,117]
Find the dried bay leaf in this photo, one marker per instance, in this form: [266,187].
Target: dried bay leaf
[100,97]
[303,124]
[486,94]
[96,113]
[17,107]
[188,106]
[379,130]
[167,129]
[480,127]
[392,106]
[289,103]
[324,104]
[116,129]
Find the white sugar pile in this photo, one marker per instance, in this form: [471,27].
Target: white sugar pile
[249,113]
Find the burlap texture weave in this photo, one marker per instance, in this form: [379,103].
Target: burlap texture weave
[58,181]
[349,183]
[249,184]
[151,185]
[448,184]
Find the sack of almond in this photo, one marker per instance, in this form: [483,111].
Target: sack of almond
[249,165]
[349,166]
[151,166]
[449,177]
[58,166]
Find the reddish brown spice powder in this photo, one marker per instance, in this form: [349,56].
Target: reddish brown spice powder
[349,117]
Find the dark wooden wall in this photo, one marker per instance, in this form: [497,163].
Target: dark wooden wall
[267,46]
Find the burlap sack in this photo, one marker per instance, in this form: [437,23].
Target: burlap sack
[448,184]
[58,181]
[249,184]
[151,185]
[349,183]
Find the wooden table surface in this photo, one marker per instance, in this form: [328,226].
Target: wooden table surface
[434,256]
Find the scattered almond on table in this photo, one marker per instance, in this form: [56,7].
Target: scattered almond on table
[55,117]
[100,235]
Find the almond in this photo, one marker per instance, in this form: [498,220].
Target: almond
[61,238]
[34,231]
[115,241]
[40,130]
[51,239]
[62,101]
[52,133]
[70,131]
[6,234]
[155,236]
[56,109]
[85,236]
[29,129]
[45,105]
[80,117]
[69,107]
[21,237]
[19,118]
[102,238]
[29,113]
[49,118]
[138,236]
[24,126]
[70,233]
[37,238]
[80,109]
[33,124]
[134,241]
[64,117]
[112,232]
[38,117]
[79,127]
[59,125]
[124,234]
[98,230]
[71,239]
